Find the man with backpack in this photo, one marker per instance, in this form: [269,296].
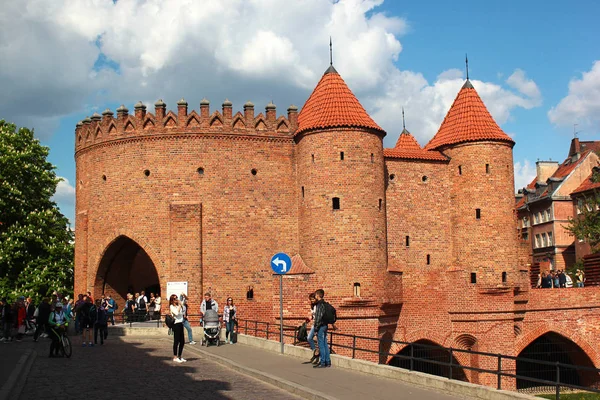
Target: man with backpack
[325,314]
[142,303]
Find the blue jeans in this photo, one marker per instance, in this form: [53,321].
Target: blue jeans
[310,339]
[188,327]
[323,345]
[228,328]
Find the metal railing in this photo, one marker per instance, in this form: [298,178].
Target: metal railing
[445,359]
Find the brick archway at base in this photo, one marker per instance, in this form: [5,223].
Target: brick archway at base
[543,328]
[139,240]
[414,336]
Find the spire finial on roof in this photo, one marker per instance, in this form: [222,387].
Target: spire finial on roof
[403,124]
[575,132]
[467,63]
[330,52]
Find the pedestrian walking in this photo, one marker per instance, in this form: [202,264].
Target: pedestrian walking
[176,311]
[42,319]
[157,306]
[111,307]
[311,335]
[88,319]
[229,317]
[186,324]
[101,323]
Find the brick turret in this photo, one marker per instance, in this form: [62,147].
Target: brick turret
[341,179]
[482,176]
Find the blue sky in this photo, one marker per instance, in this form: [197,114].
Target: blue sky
[533,63]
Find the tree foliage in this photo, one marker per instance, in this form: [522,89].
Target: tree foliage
[586,226]
[36,243]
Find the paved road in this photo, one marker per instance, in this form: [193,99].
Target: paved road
[138,368]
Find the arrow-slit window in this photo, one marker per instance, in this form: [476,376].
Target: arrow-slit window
[336,203]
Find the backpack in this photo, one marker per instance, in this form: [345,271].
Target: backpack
[169,321]
[329,315]
[302,335]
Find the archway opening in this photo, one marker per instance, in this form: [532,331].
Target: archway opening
[552,347]
[427,357]
[126,268]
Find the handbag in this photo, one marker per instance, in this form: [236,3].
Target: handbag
[36,313]
[21,330]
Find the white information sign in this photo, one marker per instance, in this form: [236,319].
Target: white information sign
[176,288]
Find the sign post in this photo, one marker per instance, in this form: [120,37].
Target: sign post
[281,264]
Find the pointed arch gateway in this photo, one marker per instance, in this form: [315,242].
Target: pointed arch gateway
[427,356]
[125,267]
[552,347]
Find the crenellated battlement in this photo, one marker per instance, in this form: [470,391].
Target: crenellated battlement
[106,127]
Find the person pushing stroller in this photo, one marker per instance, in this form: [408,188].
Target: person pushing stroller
[210,321]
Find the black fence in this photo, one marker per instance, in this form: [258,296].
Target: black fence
[443,361]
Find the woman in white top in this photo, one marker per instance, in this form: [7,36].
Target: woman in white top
[178,339]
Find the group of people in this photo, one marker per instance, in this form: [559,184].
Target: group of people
[178,309]
[559,279]
[320,323]
[139,308]
[15,317]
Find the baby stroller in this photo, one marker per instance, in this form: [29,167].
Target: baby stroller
[212,328]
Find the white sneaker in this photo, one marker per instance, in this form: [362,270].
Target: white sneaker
[177,360]
[182,360]
[192,342]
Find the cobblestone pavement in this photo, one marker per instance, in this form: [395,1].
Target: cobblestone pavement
[130,368]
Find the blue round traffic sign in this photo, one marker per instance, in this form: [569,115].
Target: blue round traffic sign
[281,263]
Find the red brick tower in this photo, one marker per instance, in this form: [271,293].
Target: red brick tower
[481,177]
[342,212]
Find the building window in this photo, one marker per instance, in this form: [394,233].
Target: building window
[424,178]
[487,168]
[540,217]
[200,171]
[356,289]
[460,169]
[372,158]
[535,219]
[579,206]
[525,236]
[473,277]
[336,203]
[548,215]
[504,277]
[302,191]
[380,204]
[342,155]
[250,293]
[538,241]
[408,241]
[392,177]
[428,259]
[544,239]
[147,172]
[253,171]
[550,239]
[478,213]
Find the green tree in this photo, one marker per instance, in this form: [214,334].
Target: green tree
[36,243]
[586,226]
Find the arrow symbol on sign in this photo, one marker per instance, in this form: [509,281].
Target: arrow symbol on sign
[279,262]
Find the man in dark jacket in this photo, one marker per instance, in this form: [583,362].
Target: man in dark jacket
[321,327]
[42,318]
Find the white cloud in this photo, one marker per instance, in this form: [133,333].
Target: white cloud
[65,193]
[528,87]
[260,50]
[524,173]
[582,104]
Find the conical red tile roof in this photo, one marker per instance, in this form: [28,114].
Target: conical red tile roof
[468,120]
[406,141]
[331,105]
[407,147]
